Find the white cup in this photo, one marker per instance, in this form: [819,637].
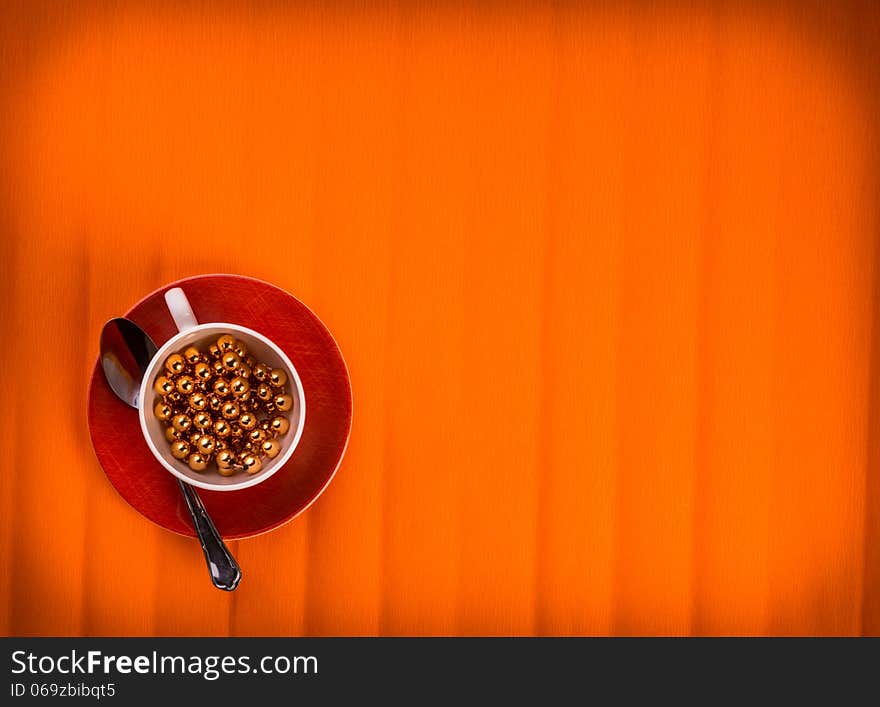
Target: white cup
[190,332]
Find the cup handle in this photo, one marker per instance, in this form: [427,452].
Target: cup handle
[181,312]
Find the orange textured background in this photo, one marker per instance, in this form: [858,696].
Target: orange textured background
[604,275]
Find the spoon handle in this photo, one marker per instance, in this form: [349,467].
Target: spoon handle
[225,572]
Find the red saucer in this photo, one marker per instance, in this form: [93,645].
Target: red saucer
[152,491]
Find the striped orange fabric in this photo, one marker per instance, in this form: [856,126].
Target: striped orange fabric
[603,273]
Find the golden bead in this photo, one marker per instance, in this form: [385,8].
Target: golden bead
[240,348]
[284,402]
[175,364]
[221,388]
[252,463]
[202,420]
[225,462]
[257,436]
[205,444]
[260,371]
[239,386]
[237,432]
[170,433]
[225,458]
[250,361]
[219,445]
[194,438]
[180,449]
[247,421]
[181,423]
[222,428]
[280,425]
[271,448]
[277,377]
[192,355]
[198,461]
[185,385]
[198,401]
[162,411]
[226,343]
[244,370]
[202,371]
[264,392]
[174,396]
[214,402]
[230,360]
[214,351]
[218,368]
[229,411]
[163,385]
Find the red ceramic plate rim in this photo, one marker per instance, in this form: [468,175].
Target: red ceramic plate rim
[317,494]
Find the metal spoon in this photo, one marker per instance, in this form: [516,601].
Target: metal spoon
[126,351]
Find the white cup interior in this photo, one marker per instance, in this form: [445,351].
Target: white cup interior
[264,351]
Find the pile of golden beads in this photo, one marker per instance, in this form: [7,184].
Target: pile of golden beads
[221,405]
